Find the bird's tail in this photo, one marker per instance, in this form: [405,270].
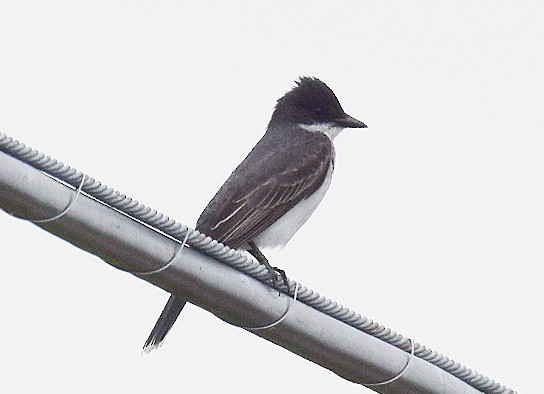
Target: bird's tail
[165,322]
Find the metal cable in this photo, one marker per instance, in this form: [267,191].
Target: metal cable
[279,320]
[240,261]
[397,376]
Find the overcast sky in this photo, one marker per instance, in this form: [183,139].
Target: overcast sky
[440,198]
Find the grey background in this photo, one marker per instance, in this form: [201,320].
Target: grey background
[440,198]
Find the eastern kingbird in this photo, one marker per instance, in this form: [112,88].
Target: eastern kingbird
[272,193]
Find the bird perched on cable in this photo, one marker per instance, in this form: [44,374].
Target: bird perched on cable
[276,188]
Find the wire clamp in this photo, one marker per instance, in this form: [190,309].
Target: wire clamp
[64,211]
[410,356]
[282,317]
[168,264]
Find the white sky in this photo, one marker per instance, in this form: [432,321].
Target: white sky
[440,198]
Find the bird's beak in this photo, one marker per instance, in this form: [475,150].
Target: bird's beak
[349,121]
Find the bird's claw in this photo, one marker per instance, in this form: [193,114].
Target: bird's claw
[274,275]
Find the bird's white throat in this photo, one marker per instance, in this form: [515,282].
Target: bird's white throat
[329,129]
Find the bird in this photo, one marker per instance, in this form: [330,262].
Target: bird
[276,188]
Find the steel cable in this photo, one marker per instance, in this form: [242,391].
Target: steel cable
[242,262]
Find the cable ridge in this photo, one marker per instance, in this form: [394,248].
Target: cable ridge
[234,258]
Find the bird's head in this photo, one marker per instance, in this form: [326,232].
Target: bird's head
[314,106]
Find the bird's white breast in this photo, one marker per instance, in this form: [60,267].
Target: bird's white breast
[281,231]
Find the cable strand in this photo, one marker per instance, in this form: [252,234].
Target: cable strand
[238,260]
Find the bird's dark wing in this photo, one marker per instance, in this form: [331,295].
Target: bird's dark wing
[265,186]
[273,178]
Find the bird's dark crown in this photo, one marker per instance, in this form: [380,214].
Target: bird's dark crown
[309,102]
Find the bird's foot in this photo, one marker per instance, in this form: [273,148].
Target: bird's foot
[277,277]
[274,273]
